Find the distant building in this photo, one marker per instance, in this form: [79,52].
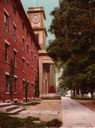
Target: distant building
[18,47]
[47,81]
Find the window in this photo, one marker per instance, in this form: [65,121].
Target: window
[23,44]
[23,85]
[31,53]
[7,83]
[14,9]
[14,33]
[15,84]
[27,65]
[6,1]
[27,49]
[6,22]
[23,27]
[6,52]
[23,60]
[15,58]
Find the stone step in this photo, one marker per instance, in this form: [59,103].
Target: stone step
[15,111]
[5,104]
[8,108]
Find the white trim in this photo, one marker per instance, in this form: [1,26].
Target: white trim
[23,58]
[15,76]
[15,50]
[23,79]
[6,11]
[27,44]
[28,81]
[14,25]
[28,62]
[7,73]
[32,66]
[6,42]
[32,83]
[23,37]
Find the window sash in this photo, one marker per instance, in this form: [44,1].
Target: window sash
[14,33]
[6,22]
[7,83]
[15,58]
[15,85]
[6,52]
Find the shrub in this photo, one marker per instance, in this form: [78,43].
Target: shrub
[7,121]
[55,123]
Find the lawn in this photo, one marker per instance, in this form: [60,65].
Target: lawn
[88,103]
[6,121]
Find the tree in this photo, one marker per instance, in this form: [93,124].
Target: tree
[26,89]
[73,25]
[37,86]
[11,77]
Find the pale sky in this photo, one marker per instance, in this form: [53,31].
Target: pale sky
[48,5]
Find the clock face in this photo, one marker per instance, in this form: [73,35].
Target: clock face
[35,18]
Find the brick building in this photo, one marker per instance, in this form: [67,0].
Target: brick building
[18,51]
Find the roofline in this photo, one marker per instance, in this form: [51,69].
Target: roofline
[26,21]
[41,29]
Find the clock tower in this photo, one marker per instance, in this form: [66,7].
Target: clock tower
[46,65]
[37,16]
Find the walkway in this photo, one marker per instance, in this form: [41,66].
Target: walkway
[76,115]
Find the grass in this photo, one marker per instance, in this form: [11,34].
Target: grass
[7,121]
[33,103]
[82,98]
[52,98]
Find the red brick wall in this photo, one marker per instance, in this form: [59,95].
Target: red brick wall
[28,73]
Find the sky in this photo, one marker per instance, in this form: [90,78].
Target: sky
[48,5]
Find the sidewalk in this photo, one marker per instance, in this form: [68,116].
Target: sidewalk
[76,115]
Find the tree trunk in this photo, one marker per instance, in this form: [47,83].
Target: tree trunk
[74,92]
[26,97]
[92,94]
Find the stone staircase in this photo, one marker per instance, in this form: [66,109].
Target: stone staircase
[10,108]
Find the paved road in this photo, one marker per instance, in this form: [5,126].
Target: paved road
[76,115]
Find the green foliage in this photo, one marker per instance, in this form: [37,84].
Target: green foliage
[28,122]
[82,98]
[54,123]
[73,25]
[37,86]
[11,78]
[33,103]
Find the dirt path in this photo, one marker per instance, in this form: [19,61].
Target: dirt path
[46,110]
